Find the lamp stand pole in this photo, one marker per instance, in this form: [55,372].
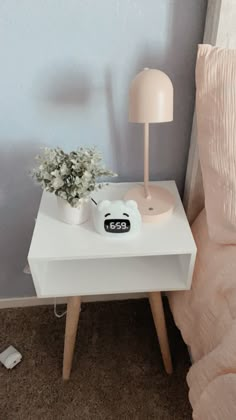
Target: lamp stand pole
[154,202]
[146,161]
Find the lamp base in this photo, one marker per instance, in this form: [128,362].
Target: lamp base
[153,209]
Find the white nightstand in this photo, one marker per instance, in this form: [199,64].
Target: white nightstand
[76,261]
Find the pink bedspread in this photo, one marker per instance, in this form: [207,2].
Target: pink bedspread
[206,317]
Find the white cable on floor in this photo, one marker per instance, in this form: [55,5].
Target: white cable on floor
[55,310]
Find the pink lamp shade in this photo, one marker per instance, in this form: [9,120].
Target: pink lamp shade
[151,97]
[151,101]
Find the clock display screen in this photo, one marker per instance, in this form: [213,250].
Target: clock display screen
[117,225]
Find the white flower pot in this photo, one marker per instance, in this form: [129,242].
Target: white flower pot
[73,215]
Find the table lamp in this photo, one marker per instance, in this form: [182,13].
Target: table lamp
[151,101]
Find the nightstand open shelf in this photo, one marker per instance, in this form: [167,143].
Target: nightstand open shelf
[110,276]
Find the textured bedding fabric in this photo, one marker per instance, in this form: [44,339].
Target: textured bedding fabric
[216,127]
[206,317]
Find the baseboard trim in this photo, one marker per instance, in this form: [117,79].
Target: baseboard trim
[29,301]
[35,301]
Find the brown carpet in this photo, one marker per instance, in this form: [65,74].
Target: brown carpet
[117,372]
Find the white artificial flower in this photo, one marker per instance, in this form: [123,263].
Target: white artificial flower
[64,169]
[52,154]
[76,166]
[56,173]
[63,195]
[46,175]
[77,181]
[57,183]
[87,176]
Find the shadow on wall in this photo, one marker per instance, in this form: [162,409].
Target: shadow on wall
[68,86]
[19,201]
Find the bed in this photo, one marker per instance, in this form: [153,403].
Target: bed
[206,315]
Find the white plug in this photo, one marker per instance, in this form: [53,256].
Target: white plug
[10,357]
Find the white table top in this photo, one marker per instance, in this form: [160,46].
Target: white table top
[55,240]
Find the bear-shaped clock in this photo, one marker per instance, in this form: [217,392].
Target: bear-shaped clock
[117,218]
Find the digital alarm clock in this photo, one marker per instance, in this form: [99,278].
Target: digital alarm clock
[117,218]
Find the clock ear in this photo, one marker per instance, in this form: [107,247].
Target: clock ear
[102,205]
[131,204]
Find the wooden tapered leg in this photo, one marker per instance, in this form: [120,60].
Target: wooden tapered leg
[72,319]
[155,300]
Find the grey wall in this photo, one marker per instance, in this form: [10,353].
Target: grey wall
[65,71]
